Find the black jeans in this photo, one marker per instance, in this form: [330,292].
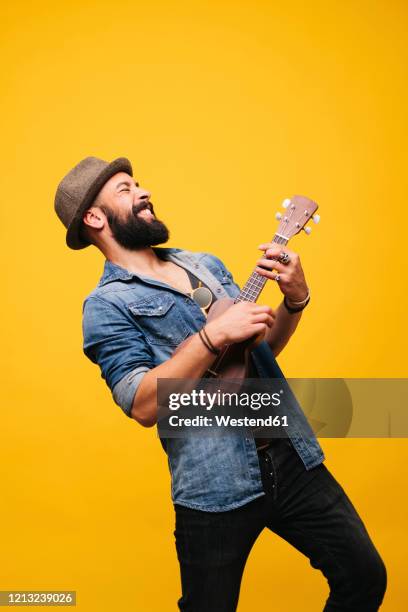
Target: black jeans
[309,509]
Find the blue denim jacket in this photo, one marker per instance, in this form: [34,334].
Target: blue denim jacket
[132,323]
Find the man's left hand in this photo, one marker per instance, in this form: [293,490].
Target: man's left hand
[282,265]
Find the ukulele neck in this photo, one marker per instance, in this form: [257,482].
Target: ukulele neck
[255,283]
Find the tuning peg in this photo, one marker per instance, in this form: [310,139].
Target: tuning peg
[278,216]
[316,218]
[286,203]
[308,230]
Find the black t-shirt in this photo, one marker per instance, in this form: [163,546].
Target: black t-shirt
[195,283]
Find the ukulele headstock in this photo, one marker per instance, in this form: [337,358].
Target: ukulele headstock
[298,212]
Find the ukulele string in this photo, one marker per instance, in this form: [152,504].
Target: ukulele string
[256,282]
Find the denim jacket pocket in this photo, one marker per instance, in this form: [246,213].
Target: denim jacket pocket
[159,320]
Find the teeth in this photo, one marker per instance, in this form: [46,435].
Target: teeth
[145,212]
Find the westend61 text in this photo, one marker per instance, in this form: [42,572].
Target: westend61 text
[227,421]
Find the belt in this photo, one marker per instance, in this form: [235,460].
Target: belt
[264,443]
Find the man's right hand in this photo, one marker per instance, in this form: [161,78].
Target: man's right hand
[240,322]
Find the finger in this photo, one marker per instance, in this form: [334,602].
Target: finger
[266,245]
[271,264]
[257,309]
[264,318]
[271,248]
[272,274]
[275,251]
[261,316]
[260,328]
[292,255]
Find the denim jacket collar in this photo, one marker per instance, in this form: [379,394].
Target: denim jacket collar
[113,272]
[187,259]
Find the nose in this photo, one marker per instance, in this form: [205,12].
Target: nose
[142,194]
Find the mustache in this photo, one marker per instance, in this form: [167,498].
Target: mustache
[136,208]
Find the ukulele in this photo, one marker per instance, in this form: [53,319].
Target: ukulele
[234,360]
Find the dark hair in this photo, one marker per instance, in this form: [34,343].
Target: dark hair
[83,233]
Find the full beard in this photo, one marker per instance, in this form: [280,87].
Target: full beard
[133,232]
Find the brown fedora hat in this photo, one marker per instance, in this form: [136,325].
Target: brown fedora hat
[79,188]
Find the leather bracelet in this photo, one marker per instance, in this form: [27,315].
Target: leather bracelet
[298,308]
[212,349]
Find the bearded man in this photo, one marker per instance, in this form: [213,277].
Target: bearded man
[225,489]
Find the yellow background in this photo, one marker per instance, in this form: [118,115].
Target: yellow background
[225,108]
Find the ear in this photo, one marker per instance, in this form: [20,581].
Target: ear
[94,217]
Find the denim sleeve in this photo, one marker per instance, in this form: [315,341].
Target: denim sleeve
[124,391]
[113,342]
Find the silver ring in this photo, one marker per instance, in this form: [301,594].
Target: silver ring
[284,258]
[277,278]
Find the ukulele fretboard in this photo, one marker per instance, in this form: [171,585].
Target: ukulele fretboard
[255,283]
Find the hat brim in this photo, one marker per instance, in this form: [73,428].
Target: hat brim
[121,164]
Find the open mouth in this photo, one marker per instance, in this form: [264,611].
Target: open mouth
[146,211]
